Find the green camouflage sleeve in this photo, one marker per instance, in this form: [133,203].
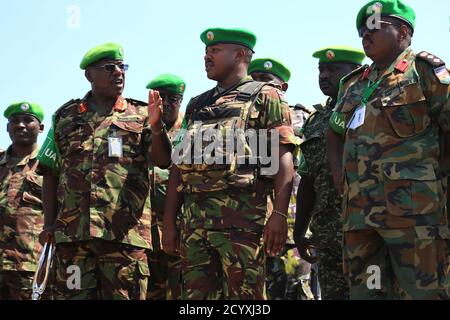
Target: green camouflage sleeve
[49,155]
[274,113]
[436,84]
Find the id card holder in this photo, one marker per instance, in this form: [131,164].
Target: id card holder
[115,146]
[358,117]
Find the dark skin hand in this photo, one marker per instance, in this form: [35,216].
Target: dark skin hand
[275,230]
[174,201]
[306,198]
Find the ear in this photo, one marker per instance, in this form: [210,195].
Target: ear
[240,54]
[88,75]
[284,86]
[41,128]
[403,32]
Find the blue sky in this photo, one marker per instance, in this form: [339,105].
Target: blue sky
[44,41]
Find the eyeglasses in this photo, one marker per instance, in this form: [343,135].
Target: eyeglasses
[374,28]
[172,98]
[112,67]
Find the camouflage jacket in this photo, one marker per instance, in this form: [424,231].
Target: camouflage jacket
[327,205]
[393,175]
[241,208]
[21,218]
[101,196]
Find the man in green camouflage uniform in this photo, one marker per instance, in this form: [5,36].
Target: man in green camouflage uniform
[96,188]
[165,270]
[393,120]
[224,218]
[21,217]
[279,280]
[319,204]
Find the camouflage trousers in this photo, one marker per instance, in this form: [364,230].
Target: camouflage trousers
[276,279]
[408,263]
[287,278]
[165,276]
[98,269]
[225,264]
[16,285]
[333,285]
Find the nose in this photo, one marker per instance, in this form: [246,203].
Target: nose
[118,70]
[324,75]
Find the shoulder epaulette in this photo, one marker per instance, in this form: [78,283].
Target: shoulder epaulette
[431,59]
[138,102]
[354,73]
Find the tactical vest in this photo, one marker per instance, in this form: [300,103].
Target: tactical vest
[230,119]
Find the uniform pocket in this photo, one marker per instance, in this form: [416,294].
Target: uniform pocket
[131,133]
[406,110]
[411,189]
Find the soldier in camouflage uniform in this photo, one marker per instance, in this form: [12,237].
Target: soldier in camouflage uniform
[282,271]
[165,270]
[96,186]
[319,204]
[393,122]
[226,235]
[21,217]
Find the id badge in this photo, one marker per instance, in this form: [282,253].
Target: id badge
[115,149]
[358,117]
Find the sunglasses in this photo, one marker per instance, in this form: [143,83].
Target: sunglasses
[374,29]
[171,98]
[112,67]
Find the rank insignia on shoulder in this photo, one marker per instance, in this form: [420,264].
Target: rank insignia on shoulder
[430,59]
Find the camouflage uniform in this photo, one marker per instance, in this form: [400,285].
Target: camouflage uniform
[222,249]
[21,221]
[103,221]
[165,271]
[326,222]
[395,190]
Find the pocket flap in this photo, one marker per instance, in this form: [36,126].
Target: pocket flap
[409,171]
[136,127]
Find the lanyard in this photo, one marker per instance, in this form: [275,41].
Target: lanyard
[370,90]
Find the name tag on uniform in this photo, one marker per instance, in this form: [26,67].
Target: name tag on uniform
[357,119]
[115,149]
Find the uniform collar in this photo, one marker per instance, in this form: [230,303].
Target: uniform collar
[400,64]
[7,155]
[119,106]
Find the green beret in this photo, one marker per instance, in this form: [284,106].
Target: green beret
[25,108]
[391,8]
[270,66]
[242,37]
[170,82]
[340,54]
[105,51]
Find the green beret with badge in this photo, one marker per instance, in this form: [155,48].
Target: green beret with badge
[387,8]
[169,82]
[340,54]
[238,36]
[270,66]
[25,108]
[108,50]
